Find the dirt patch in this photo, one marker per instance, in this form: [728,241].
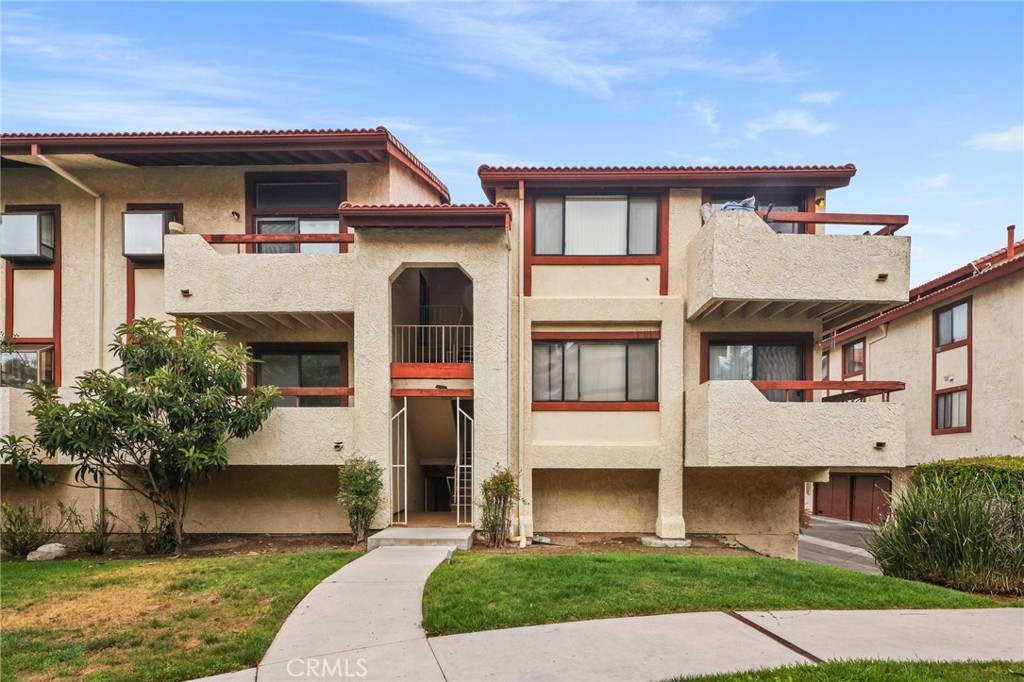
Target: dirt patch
[591,543]
[126,545]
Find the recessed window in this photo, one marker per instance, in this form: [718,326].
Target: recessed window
[758,362]
[27,365]
[596,225]
[595,371]
[297,225]
[853,358]
[144,233]
[302,369]
[951,324]
[779,201]
[27,236]
[951,410]
[299,194]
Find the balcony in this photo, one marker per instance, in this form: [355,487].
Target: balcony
[219,279]
[739,268]
[732,424]
[299,436]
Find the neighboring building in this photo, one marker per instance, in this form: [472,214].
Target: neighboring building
[958,344]
[575,328]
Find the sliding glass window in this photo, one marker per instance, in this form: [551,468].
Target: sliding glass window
[758,362]
[595,371]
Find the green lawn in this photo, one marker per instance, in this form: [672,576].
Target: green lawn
[167,619]
[488,591]
[877,671]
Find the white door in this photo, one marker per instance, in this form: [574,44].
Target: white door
[463,462]
[400,465]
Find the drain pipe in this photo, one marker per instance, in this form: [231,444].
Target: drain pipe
[522,318]
[97,273]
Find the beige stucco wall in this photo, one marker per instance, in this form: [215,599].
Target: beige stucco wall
[406,187]
[595,281]
[149,294]
[951,368]
[15,492]
[595,500]
[902,351]
[731,424]
[14,419]
[759,508]
[737,257]
[33,303]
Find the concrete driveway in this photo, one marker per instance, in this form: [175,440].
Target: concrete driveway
[837,543]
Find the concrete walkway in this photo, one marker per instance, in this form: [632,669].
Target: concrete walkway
[364,622]
[837,543]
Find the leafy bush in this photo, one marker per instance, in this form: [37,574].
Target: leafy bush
[360,482]
[24,529]
[500,490]
[960,524]
[158,537]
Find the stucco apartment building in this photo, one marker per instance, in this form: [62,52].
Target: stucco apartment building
[642,369]
[958,344]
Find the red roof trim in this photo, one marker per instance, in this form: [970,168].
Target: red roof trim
[349,139]
[936,296]
[491,178]
[423,215]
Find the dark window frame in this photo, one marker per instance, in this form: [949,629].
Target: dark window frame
[258,350]
[968,386]
[253,213]
[805,340]
[936,321]
[848,348]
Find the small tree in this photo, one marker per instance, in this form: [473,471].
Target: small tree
[158,424]
[360,482]
[500,490]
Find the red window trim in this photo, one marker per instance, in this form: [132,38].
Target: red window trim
[262,348]
[131,265]
[660,259]
[805,339]
[864,372]
[936,349]
[600,405]
[253,178]
[58,293]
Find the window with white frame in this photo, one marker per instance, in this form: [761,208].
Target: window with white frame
[595,371]
[595,225]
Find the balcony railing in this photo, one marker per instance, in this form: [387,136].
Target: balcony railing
[890,223]
[432,343]
[249,240]
[849,391]
[296,394]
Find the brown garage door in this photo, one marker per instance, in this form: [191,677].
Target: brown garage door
[856,497]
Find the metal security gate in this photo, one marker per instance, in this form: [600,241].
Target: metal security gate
[400,465]
[463,462]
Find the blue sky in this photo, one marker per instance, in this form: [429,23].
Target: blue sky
[927,99]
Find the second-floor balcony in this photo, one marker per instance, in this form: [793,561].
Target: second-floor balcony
[804,424]
[738,267]
[232,281]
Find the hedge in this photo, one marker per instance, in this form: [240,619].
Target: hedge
[1002,476]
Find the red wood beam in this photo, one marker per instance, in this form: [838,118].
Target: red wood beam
[431,370]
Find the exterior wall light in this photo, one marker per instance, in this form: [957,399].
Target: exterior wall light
[186,292]
[338,445]
[879,445]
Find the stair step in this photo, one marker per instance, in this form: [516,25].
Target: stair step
[460,538]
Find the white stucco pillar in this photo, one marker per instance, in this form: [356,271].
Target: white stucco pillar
[670,522]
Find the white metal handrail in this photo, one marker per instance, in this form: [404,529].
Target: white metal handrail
[435,343]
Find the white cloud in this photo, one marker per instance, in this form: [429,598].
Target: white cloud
[1010,140]
[819,97]
[796,120]
[938,181]
[708,112]
[589,47]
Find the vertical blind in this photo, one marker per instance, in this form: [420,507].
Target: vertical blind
[596,225]
[595,371]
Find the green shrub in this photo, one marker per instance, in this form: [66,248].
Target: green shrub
[157,537]
[500,490]
[94,538]
[959,523]
[24,529]
[360,482]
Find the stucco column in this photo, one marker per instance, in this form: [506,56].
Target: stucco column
[526,502]
[670,522]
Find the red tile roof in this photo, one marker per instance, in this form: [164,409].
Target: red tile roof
[494,177]
[235,147]
[425,215]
